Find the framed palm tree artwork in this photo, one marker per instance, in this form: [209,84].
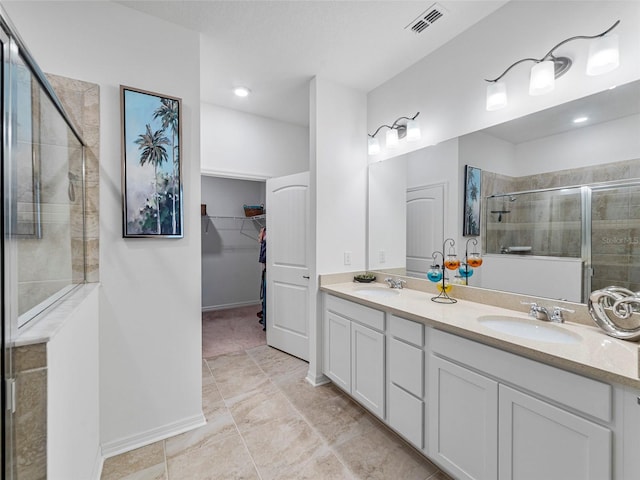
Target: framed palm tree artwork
[151,169]
[472,189]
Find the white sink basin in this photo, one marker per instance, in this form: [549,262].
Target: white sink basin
[377,292]
[529,329]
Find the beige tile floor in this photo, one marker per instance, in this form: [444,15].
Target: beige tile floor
[264,421]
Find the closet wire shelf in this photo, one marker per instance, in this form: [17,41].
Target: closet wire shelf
[260,220]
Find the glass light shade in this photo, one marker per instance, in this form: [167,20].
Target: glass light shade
[496,96]
[413,131]
[373,146]
[392,138]
[543,78]
[604,55]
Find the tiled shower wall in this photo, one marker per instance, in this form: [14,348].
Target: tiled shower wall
[550,222]
[81,101]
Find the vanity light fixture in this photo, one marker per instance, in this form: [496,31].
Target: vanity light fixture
[403,127]
[603,58]
[241,92]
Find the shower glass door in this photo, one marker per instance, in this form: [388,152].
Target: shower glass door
[615,236]
[6,418]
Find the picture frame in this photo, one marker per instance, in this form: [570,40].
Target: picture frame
[151,164]
[472,196]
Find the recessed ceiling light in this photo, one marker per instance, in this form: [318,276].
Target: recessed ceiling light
[580,119]
[611,88]
[241,91]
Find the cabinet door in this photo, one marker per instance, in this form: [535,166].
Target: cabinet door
[337,350]
[405,415]
[406,366]
[462,421]
[367,368]
[538,440]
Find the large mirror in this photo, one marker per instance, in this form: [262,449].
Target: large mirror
[560,201]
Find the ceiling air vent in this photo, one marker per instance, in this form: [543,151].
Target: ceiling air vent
[426,18]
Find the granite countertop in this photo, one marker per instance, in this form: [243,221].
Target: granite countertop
[595,354]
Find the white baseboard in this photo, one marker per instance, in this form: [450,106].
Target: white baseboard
[138,440]
[316,380]
[97,466]
[226,306]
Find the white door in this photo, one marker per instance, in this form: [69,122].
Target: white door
[425,227]
[288,259]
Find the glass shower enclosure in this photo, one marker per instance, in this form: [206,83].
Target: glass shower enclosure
[43,247]
[597,224]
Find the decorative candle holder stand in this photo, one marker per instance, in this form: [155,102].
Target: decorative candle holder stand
[451,262]
[470,261]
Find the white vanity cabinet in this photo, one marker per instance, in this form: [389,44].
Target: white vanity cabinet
[354,351]
[482,425]
[539,440]
[480,412]
[405,389]
[463,420]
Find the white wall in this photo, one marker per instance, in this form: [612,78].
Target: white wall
[608,142]
[338,193]
[73,436]
[489,153]
[150,320]
[238,144]
[231,272]
[387,214]
[447,87]
[340,166]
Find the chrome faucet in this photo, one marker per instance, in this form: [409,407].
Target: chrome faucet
[395,282]
[541,313]
[538,311]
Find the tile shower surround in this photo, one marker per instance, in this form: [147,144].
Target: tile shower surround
[615,220]
[81,101]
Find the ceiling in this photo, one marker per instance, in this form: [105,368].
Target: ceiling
[276,47]
[605,106]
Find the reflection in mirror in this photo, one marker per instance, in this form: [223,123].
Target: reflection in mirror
[544,233]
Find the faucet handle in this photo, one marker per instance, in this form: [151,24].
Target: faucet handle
[556,315]
[534,308]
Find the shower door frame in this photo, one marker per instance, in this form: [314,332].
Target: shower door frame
[587,235]
[586,199]
[7,259]
[13,50]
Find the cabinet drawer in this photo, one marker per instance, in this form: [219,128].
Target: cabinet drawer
[406,415]
[406,366]
[407,330]
[575,391]
[353,311]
